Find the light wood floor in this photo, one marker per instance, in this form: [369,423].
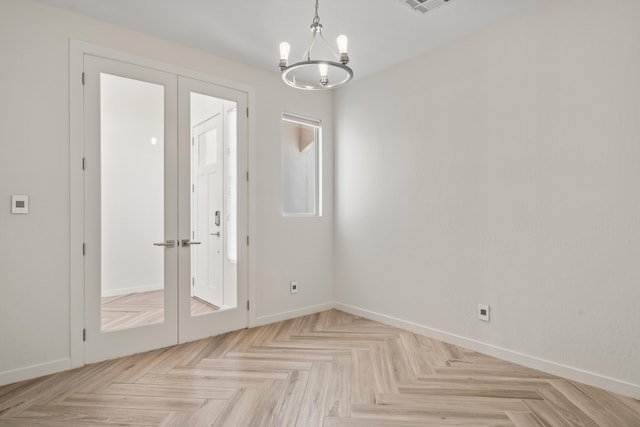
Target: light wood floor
[328,369]
[144,308]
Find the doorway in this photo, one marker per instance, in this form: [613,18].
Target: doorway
[162,208]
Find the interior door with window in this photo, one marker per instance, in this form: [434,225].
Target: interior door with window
[212,209]
[131,249]
[207,143]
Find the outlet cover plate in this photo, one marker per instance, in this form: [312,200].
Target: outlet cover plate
[19,204]
[293,287]
[483,312]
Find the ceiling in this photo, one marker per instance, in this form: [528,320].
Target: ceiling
[381,33]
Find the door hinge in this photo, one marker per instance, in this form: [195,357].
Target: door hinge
[84,249]
[193,281]
[83,163]
[247,240]
[84,334]
[247,176]
[193,188]
[247,304]
[247,111]
[83,78]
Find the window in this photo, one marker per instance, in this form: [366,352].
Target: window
[301,189]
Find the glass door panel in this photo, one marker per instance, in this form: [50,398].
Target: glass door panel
[132,202]
[213,276]
[131,258]
[211,128]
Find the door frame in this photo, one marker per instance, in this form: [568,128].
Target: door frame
[77,50]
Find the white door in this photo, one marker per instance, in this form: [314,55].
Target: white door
[207,162]
[138,195]
[204,178]
[131,259]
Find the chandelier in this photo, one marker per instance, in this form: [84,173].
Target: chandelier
[316,74]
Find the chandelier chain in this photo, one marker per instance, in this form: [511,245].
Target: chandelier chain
[316,18]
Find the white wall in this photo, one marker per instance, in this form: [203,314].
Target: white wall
[34,153]
[503,169]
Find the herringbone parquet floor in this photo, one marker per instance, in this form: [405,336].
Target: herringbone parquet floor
[327,369]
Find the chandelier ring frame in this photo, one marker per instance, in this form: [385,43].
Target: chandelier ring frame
[287,73]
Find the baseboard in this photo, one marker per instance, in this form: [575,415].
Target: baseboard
[34,371]
[575,374]
[286,315]
[132,290]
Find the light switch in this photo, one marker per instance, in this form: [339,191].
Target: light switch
[19,204]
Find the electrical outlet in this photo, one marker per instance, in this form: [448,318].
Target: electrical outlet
[19,204]
[483,312]
[293,287]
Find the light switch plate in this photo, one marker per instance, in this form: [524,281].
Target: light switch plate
[19,204]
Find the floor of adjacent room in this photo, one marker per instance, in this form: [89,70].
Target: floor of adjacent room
[325,369]
[142,308]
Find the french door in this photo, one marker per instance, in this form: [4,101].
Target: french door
[152,224]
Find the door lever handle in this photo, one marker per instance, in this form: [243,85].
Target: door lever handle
[168,243]
[187,242]
[215,234]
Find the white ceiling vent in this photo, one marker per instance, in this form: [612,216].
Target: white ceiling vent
[424,6]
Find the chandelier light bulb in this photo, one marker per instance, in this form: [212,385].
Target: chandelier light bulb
[342,48]
[284,54]
[324,74]
[342,44]
[324,70]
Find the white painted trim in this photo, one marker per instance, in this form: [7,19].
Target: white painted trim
[76,204]
[292,314]
[34,371]
[252,161]
[118,55]
[133,290]
[575,374]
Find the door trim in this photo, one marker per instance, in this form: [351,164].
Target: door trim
[77,50]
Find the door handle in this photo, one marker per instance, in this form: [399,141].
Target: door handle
[168,243]
[215,234]
[187,242]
